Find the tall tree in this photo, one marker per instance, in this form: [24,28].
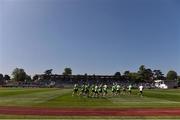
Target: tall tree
[148,75]
[117,74]
[141,73]
[86,77]
[19,74]
[171,75]
[142,68]
[134,77]
[67,71]
[1,78]
[7,78]
[28,78]
[158,75]
[178,80]
[126,75]
[145,74]
[35,77]
[48,72]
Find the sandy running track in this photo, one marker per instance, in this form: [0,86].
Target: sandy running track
[90,111]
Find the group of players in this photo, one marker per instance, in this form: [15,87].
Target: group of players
[101,90]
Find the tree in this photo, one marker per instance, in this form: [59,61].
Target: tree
[35,77]
[145,74]
[19,74]
[86,77]
[1,78]
[141,72]
[126,75]
[142,68]
[67,71]
[28,78]
[134,77]
[171,75]
[148,75]
[117,74]
[48,72]
[178,80]
[7,77]
[158,75]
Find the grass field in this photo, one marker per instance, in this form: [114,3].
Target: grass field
[61,98]
[54,97]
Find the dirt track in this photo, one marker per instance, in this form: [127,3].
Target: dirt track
[89,111]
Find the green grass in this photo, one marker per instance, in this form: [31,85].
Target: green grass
[62,98]
[28,96]
[54,97]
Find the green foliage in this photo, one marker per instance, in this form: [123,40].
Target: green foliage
[158,75]
[28,78]
[142,68]
[35,77]
[126,73]
[7,77]
[171,75]
[67,71]
[178,80]
[48,72]
[134,77]
[145,74]
[19,74]
[1,79]
[117,74]
[1,76]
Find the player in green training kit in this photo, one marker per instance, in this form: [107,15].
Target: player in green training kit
[105,90]
[113,89]
[86,90]
[75,90]
[92,90]
[100,90]
[96,91]
[124,90]
[82,90]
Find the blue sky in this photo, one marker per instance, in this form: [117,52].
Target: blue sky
[90,36]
